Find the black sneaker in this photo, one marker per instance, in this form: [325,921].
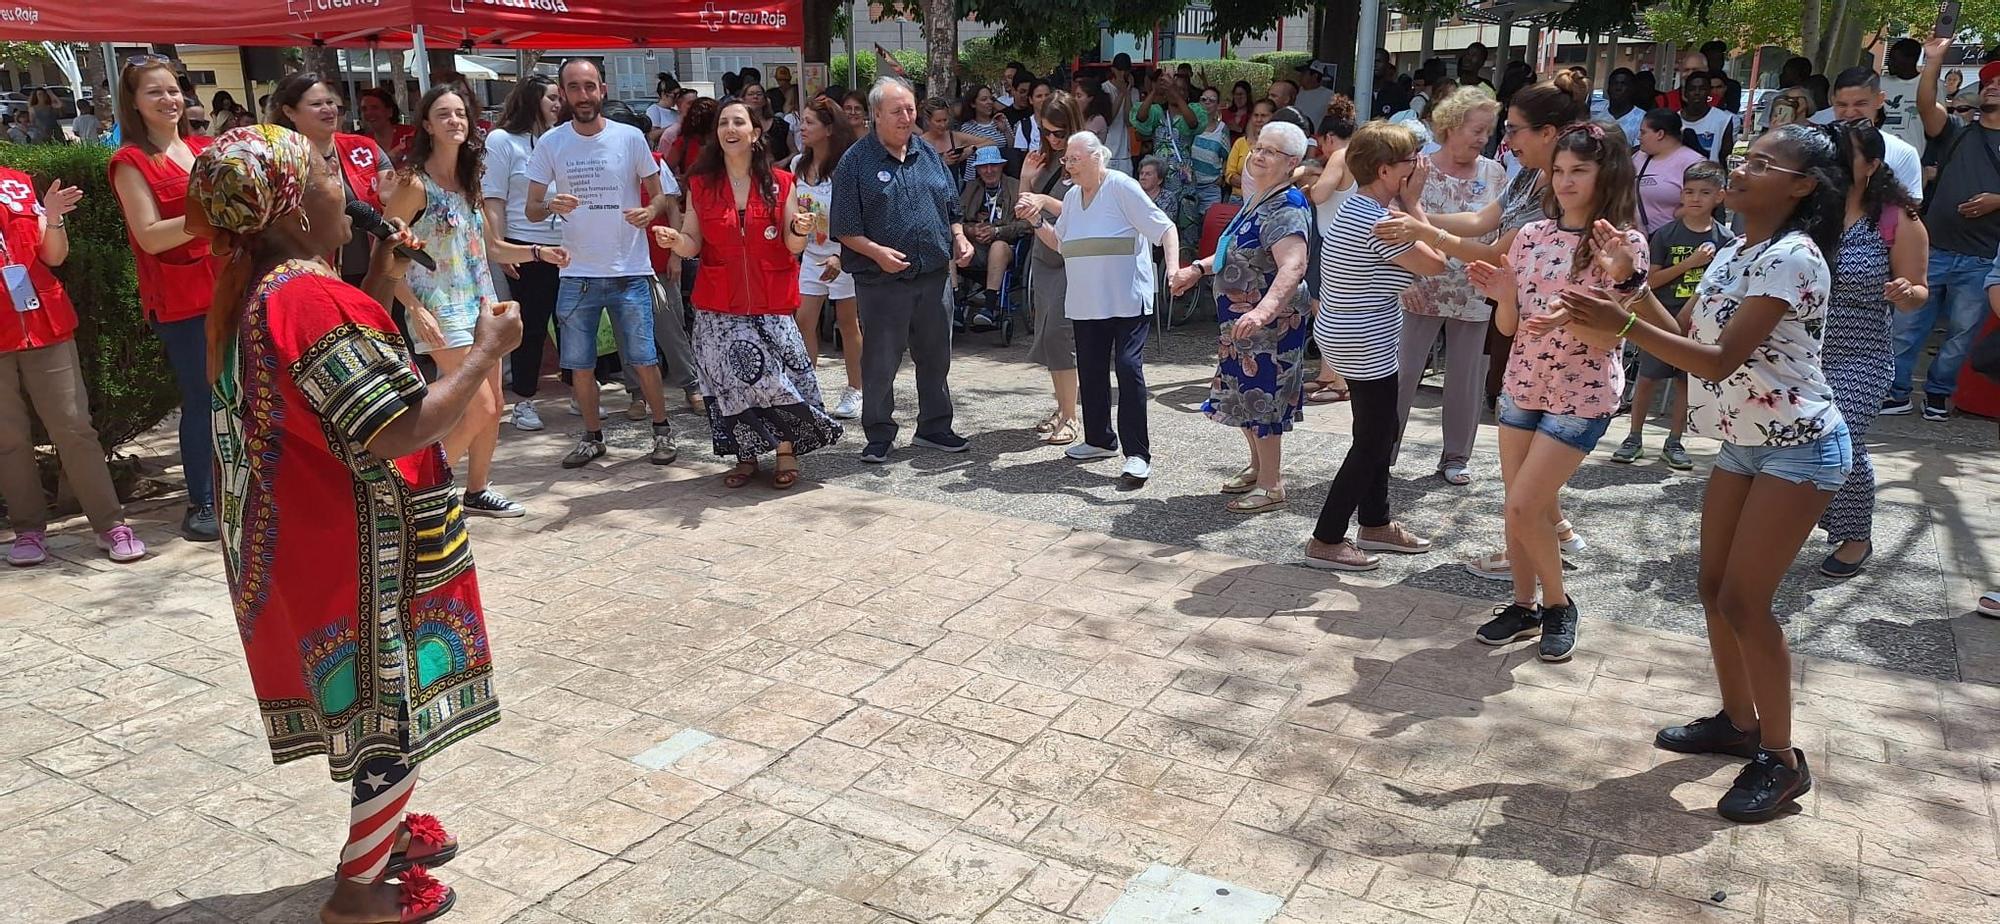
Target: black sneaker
[1559,630]
[1897,407]
[1765,788]
[1511,623]
[1937,407]
[942,442]
[1712,735]
[491,503]
[199,525]
[586,450]
[876,453]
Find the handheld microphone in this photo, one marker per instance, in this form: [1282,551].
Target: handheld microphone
[371,221]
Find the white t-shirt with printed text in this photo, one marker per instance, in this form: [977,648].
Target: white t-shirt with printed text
[603,170]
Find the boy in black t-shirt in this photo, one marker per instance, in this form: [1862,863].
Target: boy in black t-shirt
[1681,250]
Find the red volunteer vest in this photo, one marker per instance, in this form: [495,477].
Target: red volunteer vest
[745,268]
[21,234]
[361,165]
[179,283]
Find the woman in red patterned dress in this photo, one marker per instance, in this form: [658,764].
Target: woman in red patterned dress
[359,611]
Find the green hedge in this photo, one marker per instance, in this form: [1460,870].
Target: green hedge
[912,61]
[1222,73]
[124,365]
[986,62]
[1285,64]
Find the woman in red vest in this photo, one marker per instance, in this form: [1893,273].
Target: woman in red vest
[149,174]
[744,222]
[39,367]
[308,105]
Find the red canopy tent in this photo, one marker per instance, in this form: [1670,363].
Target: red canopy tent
[395,23]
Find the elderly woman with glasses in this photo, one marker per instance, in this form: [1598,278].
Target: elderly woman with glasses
[1106,231]
[1260,266]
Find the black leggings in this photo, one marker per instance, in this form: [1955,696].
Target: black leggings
[1362,485]
[536,291]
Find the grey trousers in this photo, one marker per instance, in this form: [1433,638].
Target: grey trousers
[1464,378]
[670,334]
[899,315]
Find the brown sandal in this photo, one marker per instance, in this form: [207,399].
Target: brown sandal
[783,478]
[1326,393]
[739,476]
[1063,434]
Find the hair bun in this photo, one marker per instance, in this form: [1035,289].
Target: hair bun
[1572,83]
[1341,107]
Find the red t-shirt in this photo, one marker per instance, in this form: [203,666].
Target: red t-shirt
[21,243]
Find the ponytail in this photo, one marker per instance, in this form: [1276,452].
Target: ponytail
[1821,214]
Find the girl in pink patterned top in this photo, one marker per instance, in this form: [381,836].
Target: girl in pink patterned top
[1562,384]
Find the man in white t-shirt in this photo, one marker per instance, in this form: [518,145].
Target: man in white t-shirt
[601,173]
[1715,127]
[1899,93]
[1857,94]
[1118,138]
[1314,98]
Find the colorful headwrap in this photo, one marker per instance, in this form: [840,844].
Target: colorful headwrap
[246,179]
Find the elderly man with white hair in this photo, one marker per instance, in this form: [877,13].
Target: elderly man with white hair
[1106,227]
[895,210]
[1261,300]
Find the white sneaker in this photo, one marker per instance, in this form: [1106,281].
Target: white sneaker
[849,406]
[574,411]
[1136,470]
[525,417]
[1084,452]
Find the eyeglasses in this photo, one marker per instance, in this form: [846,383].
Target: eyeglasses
[198,123]
[1507,130]
[1758,166]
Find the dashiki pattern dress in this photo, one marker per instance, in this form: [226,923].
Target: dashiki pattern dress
[351,574]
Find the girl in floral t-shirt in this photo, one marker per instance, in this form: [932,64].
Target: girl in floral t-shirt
[1562,386]
[1754,348]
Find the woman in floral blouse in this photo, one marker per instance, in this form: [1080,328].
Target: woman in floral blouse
[1754,345]
[1460,180]
[1562,386]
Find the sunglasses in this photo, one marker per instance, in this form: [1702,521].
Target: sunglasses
[1962,109]
[198,123]
[1057,134]
[145,59]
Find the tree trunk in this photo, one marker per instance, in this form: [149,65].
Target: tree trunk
[941,51]
[1334,41]
[819,30]
[320,59]
[1809,29]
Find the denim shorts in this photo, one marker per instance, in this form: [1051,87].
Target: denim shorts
[1579,433]
[1824,462]
[581,300]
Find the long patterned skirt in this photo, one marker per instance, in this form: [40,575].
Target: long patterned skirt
[759,385]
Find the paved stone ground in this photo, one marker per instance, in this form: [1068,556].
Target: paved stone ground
[856,703]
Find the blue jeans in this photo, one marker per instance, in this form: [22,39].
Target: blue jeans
[1824,462]
[1958,290]
[187,353]
[581,300]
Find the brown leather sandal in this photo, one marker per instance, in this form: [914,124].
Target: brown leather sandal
[783,478]
[739,476]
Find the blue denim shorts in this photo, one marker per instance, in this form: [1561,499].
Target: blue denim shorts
[580,301]
[1579,433]
[1824,462]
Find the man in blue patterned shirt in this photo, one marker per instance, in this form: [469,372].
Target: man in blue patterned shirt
[895,210]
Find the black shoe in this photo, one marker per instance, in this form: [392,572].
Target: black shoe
[1937,407]
[1765,788]
[1842,570]
[1559,630]
[1511,623]
[1897,407]
[1712,735]
[491,503]
[586,450]
[876,453]
[199,525]
[942,442]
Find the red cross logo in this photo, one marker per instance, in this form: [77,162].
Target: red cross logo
[711,17]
